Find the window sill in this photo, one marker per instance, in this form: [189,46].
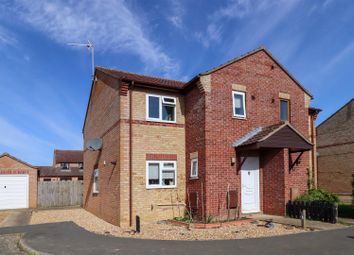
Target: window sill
[193,178]
[161,121]
[162,187]
[239,118]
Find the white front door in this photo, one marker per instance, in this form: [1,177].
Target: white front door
[250,185]
[13,191]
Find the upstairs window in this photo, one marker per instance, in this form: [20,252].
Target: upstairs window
[81,165]
[284,110]
[64,165]
[161,108]
[239,104]
[160,174]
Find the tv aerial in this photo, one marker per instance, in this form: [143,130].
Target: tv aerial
[90,47]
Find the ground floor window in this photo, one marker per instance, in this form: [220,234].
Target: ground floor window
[194,168]
[96,181]
[161,174]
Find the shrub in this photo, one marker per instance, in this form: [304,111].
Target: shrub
[318,195]
[183,219]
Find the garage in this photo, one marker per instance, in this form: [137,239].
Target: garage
[13,191]
[18,183]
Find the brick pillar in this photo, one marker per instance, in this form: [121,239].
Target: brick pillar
[274,184]
[124,162]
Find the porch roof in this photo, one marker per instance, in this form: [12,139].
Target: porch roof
[281,135]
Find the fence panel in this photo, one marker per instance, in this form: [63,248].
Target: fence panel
[316,210]
[60,194]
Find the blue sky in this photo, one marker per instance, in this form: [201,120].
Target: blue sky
[45,83]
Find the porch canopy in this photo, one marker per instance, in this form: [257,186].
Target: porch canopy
[282,135]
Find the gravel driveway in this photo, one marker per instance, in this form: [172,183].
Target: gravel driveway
[8,244]
[94,224]
[3,215]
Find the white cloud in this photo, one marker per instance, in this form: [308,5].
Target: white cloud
[213,35]
[45,112]
[259,16]
[339,56]
[7,37]
[234,9]
[177,14]
[16,140]
[110,24]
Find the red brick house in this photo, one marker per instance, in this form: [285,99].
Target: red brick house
[67,165]
[335,147]
[240,135]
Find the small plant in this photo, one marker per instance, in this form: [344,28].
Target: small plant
[318,195]
[210,219]
[183,218]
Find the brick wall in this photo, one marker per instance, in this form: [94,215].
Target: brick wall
[102,121]
[157,141]
[195,140]
[272,163]
[108,118]
[335,139]
[263,80]
[9,165]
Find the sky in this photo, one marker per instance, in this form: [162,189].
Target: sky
[45,82]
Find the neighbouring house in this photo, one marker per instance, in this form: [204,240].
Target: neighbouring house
[67,166]
[18,183]
[335,146]
[237,137]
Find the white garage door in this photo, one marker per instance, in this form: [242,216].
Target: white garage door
[13,191]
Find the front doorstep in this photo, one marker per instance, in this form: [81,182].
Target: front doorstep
[209,225]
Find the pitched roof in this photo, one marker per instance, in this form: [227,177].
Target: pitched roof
[261,134]
[262,48]
[163,83]
[143,79]
[333,114]
[49,171]
[69,156]
[5,154]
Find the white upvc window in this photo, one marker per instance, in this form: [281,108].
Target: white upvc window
[194,168]
[96,181]
[161,174]
[239,104]
[161,108]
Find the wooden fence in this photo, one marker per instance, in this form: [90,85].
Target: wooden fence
[316,210]
[59,194]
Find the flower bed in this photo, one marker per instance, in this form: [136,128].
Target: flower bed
[209,225]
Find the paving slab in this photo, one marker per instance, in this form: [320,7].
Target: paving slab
[297,222]
[68,238]
[17,218]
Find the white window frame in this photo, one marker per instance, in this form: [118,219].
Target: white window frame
[243,94]
[94,184]
[196,172]
[161,102]
[161,168]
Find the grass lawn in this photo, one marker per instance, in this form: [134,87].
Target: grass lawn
[3,215]
[345,211]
